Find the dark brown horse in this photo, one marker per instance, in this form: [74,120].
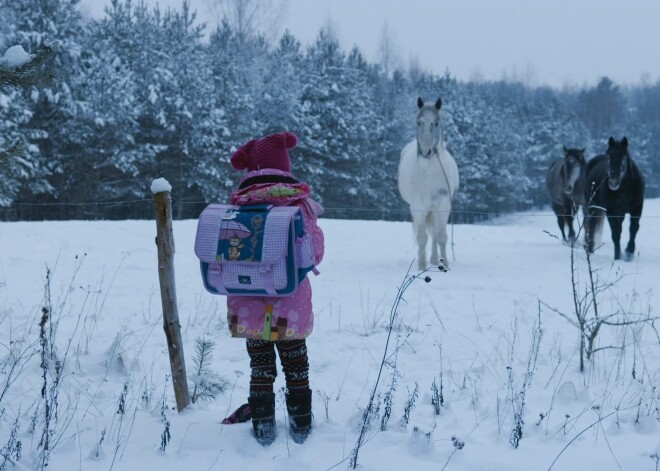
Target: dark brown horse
[615,186]
[565,184]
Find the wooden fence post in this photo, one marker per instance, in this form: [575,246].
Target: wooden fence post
[165,242]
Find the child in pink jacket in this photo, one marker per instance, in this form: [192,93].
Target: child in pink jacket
[269,181]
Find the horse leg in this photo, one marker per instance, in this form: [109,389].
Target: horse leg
[634,227]
[571,210]
[571,230]
[419,227]
[616,223]
[439,237]
[559,212]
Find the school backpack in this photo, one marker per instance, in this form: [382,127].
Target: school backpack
[254,250]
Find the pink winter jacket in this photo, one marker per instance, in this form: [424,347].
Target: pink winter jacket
[292,316]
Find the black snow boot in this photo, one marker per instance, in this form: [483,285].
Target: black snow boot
[263,418]
[299,406]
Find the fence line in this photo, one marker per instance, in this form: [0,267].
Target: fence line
[91,203]
[406,210]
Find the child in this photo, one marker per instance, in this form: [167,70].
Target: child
[269,181]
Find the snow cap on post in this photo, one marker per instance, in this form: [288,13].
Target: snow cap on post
[266,152]
[159,185]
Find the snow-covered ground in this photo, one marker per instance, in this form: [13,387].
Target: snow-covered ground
[470,331]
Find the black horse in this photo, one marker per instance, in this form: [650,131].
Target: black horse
[565,184]
[615,186]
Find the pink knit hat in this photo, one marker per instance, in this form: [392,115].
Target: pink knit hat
[267,152]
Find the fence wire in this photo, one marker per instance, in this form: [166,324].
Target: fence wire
[401,210]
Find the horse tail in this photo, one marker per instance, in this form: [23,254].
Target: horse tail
[598,229]
[429,219]
[594,225]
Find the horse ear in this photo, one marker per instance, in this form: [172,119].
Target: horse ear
[565,150]
[438,104]
[420,102]
[624,142]
[610,141]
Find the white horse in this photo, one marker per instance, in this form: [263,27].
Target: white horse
[428,181]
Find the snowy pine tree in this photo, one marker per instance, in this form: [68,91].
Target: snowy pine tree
[142,92]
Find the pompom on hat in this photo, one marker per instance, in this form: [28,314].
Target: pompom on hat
[266,152]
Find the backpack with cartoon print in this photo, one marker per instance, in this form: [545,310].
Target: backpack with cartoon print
[256,250]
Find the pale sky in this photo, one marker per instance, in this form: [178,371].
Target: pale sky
[552,42]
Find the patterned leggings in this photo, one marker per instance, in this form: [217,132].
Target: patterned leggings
[293,356]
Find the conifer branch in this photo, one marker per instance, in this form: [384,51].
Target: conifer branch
[34,73]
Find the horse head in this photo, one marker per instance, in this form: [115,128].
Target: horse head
[572,169]
[617,162]
[428,128]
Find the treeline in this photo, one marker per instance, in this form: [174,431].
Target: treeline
[142,93]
